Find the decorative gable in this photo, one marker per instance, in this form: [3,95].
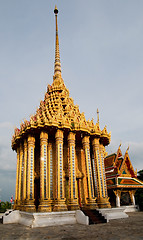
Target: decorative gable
[127,167]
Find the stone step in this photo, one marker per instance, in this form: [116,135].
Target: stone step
[94,216]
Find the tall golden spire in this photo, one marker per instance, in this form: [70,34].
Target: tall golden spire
[57,68]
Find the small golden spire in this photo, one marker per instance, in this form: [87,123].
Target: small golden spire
[57,68]
[128,148]
[120,144]
[97,115]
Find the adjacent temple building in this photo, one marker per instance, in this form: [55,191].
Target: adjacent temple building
[60,155]
[121,179]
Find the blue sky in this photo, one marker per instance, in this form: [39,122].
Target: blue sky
[101,48]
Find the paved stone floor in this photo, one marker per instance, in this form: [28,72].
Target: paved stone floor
[125,229]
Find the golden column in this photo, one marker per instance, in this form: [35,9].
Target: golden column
[72,201]
[102,155]
[91,200]
[102,198]
[25,169]
[30,206]
[45,203]
[50,172]
[60,199]
[17,179]
[20,177]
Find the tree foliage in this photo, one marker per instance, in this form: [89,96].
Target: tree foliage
[4,206]
[139,192]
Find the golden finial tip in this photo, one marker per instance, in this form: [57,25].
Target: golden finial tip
[97,115]
[56,10]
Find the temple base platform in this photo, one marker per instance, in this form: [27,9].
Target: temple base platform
[113,213]
[34,220]
[131,208]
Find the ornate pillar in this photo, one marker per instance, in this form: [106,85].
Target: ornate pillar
[45,203]
[20,177]
[25,169]
[132,196]
[72,199]
[50,172]
[118,196]
[95,177]
[83,184]
[17,179]
[102,154]
[117,201]
[30,206]
[98,164]
[91,200]
[60,199]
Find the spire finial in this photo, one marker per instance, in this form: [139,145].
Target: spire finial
[128,148]
[97,115]
[57,68]
[56,10]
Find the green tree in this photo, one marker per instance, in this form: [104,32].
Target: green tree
[7,205]
[4,206]
[139,192]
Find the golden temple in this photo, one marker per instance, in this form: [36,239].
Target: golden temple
[60,155]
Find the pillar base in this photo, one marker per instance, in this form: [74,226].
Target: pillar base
[22,205]
[45,206]
[60,205]
[91,204]
[103,202]
[29,205]
[73,204]
[17,205]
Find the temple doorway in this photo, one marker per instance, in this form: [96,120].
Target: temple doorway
[37,192]
[112,196]
[125,199]
[67,189]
